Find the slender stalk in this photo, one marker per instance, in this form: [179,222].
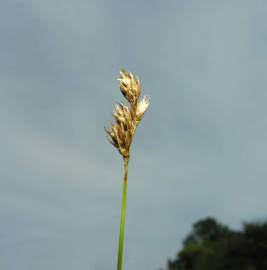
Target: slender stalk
[123,212]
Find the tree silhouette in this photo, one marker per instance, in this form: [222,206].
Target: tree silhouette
[213,246]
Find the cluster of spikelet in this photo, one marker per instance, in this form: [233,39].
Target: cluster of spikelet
[126,117]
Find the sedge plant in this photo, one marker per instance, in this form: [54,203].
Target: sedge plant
[121,132]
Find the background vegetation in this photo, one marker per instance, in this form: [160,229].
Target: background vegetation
[213,246]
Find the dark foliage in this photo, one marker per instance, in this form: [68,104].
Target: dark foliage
[213,246]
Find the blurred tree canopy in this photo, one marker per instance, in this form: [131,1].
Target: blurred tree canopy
[213,246]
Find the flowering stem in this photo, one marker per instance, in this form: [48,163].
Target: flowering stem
[123,212]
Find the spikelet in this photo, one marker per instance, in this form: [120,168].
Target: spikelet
[126,118]
[130,86]
[141,109]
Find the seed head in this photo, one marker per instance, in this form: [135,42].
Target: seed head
[122,130]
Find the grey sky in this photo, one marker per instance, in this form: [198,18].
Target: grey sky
[200,150]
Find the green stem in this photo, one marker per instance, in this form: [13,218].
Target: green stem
[123,212]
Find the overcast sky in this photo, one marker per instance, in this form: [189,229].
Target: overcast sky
[199,151]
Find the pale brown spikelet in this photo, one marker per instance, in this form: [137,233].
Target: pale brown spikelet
[130,86]
[121,132]
[141,108]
